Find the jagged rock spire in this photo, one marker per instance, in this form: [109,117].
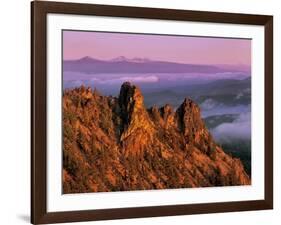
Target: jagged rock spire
[189,117]
[130,98]
[138,126]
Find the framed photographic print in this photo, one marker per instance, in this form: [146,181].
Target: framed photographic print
[143,112]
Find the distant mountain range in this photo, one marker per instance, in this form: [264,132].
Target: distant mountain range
[122,64]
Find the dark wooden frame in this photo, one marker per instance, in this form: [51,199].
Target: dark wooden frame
[39,11]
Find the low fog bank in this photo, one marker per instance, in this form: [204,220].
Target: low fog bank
[239,129]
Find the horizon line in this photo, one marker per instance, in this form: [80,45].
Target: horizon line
[152,60]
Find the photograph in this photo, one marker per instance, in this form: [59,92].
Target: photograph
[145,111]
[141,112]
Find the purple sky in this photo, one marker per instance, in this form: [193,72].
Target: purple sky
[196,50]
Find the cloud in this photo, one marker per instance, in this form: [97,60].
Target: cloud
[73,83]
[212,107]
[209,104]
[238,129]
[117,80]
[241,94]
[232,74]
[142,79]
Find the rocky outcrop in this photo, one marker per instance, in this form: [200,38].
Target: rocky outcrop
[138,129]
[116,144]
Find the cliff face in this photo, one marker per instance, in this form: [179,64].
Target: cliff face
[116,144]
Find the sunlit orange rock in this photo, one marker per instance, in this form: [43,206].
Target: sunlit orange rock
[116,144]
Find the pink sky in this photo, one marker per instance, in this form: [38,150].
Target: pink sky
[184,49]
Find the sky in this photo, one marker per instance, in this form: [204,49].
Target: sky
[182,49]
